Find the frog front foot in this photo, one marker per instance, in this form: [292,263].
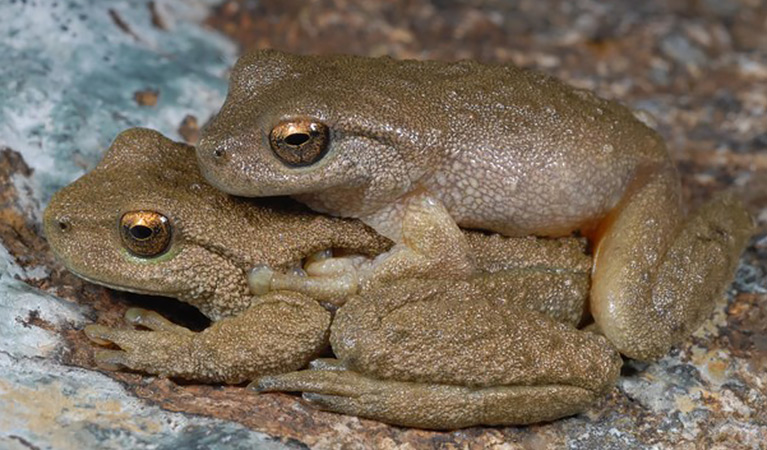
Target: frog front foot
[154,350]
[429,244]
[281,332]
[322,276]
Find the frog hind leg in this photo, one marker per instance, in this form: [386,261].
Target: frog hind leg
[657,277]
[440,355]
[429,406]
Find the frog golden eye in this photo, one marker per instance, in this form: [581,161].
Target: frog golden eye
[299,142]
[145,233]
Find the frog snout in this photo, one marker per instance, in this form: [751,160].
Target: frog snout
[217,154]
[240,166]
[219,163]
[63,224]
[214,151]
[60,226]
[56,225]
[213,158]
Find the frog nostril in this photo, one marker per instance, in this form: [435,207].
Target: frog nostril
[64,224]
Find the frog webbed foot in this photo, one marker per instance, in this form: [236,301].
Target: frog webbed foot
[155,350]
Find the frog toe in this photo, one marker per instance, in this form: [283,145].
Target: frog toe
[332,382]
[112,360]
[330,284]
[107,336]
[335,403]
[128,340]
[99,334]
[153,321]
[260,280]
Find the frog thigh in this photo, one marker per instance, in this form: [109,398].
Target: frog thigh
[656,278]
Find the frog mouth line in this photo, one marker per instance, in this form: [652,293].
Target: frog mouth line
[122,288]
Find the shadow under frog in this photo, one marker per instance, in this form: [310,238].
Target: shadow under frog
[498,348]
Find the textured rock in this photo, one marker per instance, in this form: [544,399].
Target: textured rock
[74,74]
[69,84]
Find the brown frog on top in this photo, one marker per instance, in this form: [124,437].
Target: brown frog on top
[417,148]
[498,348]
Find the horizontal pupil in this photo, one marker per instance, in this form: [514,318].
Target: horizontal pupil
[140,232]
[296,139]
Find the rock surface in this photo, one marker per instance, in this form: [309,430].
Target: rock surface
[73,74]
